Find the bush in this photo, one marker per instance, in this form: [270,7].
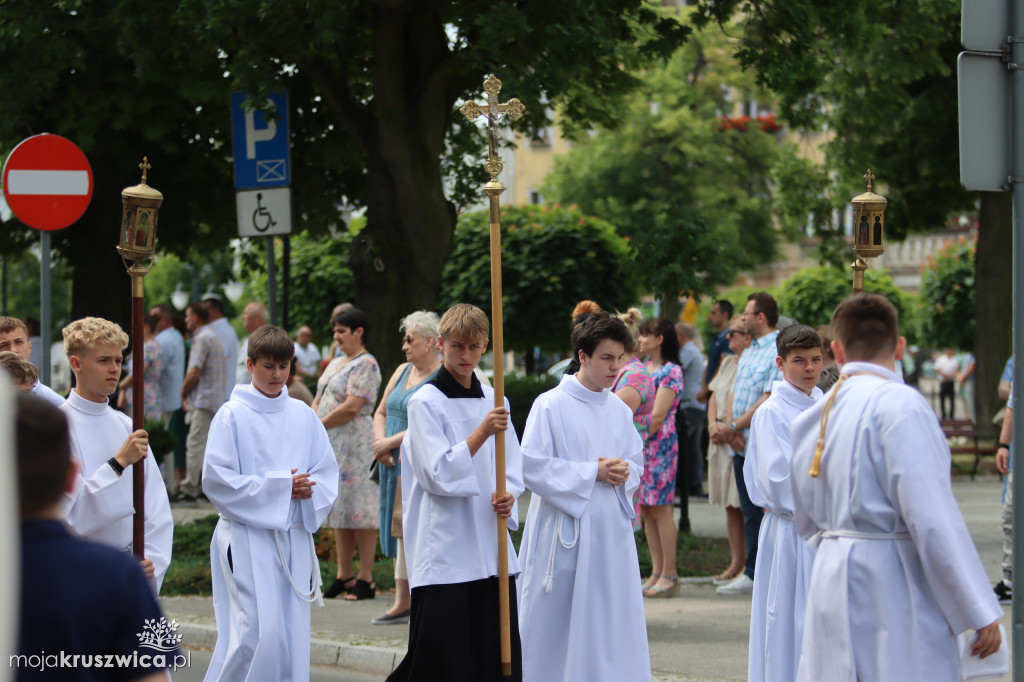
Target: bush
[521,392]
[811,295]
[947,297]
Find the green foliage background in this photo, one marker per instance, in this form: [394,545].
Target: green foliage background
[811,295]
[552,257]
[947,297]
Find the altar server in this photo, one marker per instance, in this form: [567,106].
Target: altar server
[581,614]
[101,506]
[784,559]
[896,577]
[271,472]
[448,508]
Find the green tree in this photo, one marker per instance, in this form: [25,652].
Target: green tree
[948,297]
[882,74]
[373,89]
[552,257]
[122,79]
[320,280]
[682,183]
[811,295]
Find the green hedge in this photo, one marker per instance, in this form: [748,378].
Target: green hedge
[521,392]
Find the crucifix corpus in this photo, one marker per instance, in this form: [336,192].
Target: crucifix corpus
[495,114]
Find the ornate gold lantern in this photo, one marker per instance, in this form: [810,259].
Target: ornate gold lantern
[868,230]
[141,204]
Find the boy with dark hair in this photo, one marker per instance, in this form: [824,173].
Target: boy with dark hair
[271,472]
[101,508]
[582,459]
[784,559]
[448,507]
[896,576]
[103,602]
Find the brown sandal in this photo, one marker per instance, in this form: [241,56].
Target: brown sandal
[362,590]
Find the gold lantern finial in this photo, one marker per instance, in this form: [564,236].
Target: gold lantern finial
[141,204]
[869,176]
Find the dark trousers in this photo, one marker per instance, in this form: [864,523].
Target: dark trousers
[947,389]
[752,516]
[454,634]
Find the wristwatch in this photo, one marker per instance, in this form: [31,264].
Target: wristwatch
[732,426]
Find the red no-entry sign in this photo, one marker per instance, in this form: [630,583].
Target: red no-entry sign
[47,182]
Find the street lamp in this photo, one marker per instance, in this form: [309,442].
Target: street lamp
[868,230]
[141,204]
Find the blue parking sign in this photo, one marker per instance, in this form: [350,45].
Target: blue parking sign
[261,146]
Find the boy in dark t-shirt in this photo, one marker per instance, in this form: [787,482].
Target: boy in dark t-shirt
[87,612]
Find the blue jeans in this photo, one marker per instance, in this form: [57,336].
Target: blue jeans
[752,516]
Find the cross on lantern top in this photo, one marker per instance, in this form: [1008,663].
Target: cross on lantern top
[144,166]
[869,176]
[495,113]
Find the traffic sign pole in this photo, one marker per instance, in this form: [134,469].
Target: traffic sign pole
[48,185]
[1017,79]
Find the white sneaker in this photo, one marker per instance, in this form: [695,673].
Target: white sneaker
[741,585]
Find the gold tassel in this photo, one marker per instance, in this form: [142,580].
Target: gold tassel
[819,448]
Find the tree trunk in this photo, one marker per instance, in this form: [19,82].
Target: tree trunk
[993,331]
[670,307]
[399,256]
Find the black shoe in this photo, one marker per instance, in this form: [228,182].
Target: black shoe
[1004,592]
[362,590]
[339,586]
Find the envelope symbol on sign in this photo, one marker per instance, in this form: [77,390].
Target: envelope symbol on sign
[270,170]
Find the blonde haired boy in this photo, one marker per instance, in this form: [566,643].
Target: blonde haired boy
[23,373]
[100,506]
[448,507]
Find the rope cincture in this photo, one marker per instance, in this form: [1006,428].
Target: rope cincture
[819,448]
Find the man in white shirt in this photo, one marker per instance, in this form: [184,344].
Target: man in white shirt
[220,326]
[254,316]
[307,355]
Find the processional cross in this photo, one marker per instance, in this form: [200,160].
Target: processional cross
[495,114]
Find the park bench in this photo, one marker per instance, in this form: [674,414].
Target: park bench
[959,431]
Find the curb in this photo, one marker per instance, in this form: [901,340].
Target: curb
[372,660]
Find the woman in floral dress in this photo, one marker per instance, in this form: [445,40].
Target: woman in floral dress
[634,385]
[345,397]
[152,407]
[659,342]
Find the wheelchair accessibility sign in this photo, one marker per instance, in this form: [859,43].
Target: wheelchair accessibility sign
[264,212]
[261,145]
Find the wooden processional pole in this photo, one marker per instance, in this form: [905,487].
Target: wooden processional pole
[141,204]
[495,112]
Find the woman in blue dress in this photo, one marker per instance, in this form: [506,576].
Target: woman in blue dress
[419,342]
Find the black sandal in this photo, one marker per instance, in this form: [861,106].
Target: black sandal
[339,586]
[362,590]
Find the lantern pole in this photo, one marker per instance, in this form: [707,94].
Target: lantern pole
[495,113]
[138,244]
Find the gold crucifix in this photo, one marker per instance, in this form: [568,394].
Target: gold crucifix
[495,113]
[144,166]
[869,176]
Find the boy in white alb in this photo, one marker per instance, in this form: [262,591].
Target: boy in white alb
[101,507]
[582,460]
[896,576]
[784,559]
[270,471]
[448,508]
